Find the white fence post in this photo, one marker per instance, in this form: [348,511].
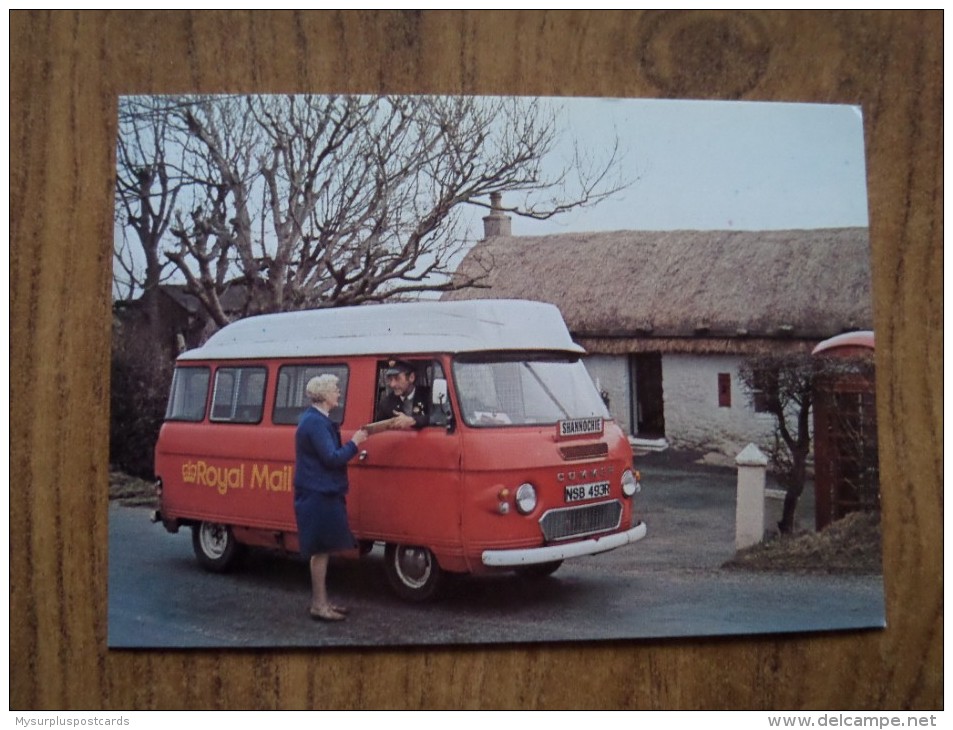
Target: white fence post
[749,508]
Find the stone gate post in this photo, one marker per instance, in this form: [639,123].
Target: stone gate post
[749,507]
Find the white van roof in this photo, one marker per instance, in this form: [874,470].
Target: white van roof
[393,329]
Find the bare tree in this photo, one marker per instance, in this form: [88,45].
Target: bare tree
[147,187]
[214,238]
[318,201]
[789,386]
[784,384]
[146,191]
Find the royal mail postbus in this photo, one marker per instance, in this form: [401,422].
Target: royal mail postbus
[518,467]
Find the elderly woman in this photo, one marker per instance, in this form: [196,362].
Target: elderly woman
[320,485]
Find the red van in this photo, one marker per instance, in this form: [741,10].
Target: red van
[518,468]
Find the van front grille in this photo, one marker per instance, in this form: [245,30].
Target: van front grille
[584,451]
[562,524]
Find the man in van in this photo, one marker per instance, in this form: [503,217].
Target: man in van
[405,401]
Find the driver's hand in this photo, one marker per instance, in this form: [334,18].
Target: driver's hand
[403,421]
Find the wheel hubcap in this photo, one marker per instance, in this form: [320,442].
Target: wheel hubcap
[413,565]
[214,539]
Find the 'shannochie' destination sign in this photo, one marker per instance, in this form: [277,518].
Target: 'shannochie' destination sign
[580,427]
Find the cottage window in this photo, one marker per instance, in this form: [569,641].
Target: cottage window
[765,391]
[724,390]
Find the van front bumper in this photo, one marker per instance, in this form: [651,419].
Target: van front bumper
[532,556]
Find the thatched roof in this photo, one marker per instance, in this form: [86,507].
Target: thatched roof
[716,286]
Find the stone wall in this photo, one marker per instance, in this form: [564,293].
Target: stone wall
[693,417]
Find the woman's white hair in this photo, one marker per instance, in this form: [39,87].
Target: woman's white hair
[319,386]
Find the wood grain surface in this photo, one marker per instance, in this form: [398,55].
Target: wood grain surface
[67,69]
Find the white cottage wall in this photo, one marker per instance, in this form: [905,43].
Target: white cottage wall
[693,417]
[611,374]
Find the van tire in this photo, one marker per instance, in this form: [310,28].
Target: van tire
[539,570]
[215,546]
[412,571]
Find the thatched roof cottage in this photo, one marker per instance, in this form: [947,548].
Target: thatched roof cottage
[668,316]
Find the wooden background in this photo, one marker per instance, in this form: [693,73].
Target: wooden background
[67,69]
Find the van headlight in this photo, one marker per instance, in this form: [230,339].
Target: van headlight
[630,484]
[526,498]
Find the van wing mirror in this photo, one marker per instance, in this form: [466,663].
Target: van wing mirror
[441,415]
[438,392]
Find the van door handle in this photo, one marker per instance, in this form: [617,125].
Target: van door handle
[362,455]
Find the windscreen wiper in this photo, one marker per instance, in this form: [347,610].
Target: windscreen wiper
[546,389]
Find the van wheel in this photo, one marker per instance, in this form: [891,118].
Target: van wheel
[412,572]
[539,570]
[215,546]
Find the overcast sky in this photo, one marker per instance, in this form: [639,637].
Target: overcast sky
[722,165]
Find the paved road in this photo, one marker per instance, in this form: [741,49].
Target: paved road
[670,584]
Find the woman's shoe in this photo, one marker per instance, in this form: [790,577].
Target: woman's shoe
[327,613]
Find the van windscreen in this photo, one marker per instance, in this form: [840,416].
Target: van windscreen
[522,389]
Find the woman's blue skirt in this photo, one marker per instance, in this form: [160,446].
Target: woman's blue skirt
[322,523]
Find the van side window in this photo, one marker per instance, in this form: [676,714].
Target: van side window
[188,395]
[430,405]
[239,394]
[291,399]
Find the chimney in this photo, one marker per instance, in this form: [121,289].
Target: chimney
[497,223]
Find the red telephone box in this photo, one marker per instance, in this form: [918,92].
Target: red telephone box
[846,473]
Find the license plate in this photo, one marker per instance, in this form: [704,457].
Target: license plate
[579,492]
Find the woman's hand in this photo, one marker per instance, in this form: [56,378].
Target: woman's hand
[359,436]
